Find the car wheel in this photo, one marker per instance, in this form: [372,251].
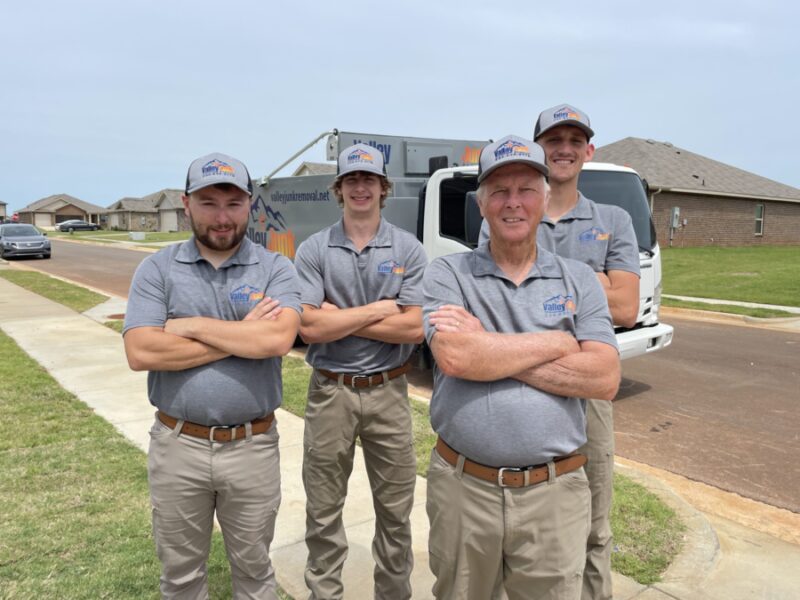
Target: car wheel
[45,256]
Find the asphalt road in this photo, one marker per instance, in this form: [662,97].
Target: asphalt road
[721,405]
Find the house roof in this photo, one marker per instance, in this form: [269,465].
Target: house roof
[169,199]
[3,203]
[668,167]
[315,168]
[43,204]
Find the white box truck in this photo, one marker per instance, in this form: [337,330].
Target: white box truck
[433,196]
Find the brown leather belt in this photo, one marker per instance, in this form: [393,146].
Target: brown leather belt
[363,381]
[514,477]
[218,433]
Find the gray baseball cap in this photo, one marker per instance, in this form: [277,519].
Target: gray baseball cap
[215,168]
[508,150]
[361,157]
[563,114]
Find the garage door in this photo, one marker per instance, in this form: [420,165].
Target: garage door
[169,220]
[42,220]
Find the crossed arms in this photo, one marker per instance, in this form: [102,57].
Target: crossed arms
[188,342]
[384,321]
[551,361]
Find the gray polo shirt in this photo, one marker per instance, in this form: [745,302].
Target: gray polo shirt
[178,282]
[507,423]
[389,267]
[599,235]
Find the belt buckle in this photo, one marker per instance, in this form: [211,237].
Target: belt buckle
[355,378]
[500,474]
[213,427]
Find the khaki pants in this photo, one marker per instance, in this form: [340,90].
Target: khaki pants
[488,542]
[190,480]
[335,415]
[599,450]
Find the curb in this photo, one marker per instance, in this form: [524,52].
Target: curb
[701,549]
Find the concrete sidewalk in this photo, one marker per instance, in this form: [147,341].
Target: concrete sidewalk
[721,560]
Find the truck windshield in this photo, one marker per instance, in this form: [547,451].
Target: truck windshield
[626,191]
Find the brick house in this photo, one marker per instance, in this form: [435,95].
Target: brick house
[52,210]
[3,213]
[716,204]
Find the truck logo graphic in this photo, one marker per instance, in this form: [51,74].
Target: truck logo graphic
[595,234]
[385,149]
[217,167]
[270,229]
[471,156]
[511,148]
[559,306]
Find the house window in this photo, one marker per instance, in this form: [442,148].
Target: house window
[759,219]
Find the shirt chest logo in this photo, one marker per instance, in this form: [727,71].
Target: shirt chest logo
[595,234]
[559,306]
[246,294]
[391,267]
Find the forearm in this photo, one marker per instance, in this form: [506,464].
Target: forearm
[405,328]
[319,325]
[151,349]
[622,294]
[485,356]
[254,339]
[586,374]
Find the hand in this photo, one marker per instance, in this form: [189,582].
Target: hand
[452,318]
[387,308]
[604,280]
[267,310]
[179,327]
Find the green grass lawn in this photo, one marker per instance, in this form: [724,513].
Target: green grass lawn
[111,236]
[75,503]
[767,274]
[647,533]
[764,313]
[75,297]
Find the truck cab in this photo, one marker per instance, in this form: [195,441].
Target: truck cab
[450,222]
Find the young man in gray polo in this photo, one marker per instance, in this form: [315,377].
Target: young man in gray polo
[362,300]
[601,236]
[209,319]
[519,336]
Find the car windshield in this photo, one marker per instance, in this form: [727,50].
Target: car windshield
[19,230]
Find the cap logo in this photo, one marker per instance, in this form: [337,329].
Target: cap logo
[511,148]
[217,167]
[559,306]
[358,156]
[566,113]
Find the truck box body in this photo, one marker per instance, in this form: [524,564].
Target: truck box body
[440,210]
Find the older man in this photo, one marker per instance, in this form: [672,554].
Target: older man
[209,319]
[519,335]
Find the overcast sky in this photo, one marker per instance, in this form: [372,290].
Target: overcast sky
[102,100]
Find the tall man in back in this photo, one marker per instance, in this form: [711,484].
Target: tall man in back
[209,319]
[601,236]
[362,316]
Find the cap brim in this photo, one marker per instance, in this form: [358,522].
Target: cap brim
[363,167]
[585,128]
[531,163]
[213,181]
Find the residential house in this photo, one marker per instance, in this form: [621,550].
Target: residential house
[48,212]
[315,168]
[698,201]
[171,215]
[3,213]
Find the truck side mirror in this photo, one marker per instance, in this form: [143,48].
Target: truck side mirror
[472,219]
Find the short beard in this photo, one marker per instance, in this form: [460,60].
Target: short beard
[205,239]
